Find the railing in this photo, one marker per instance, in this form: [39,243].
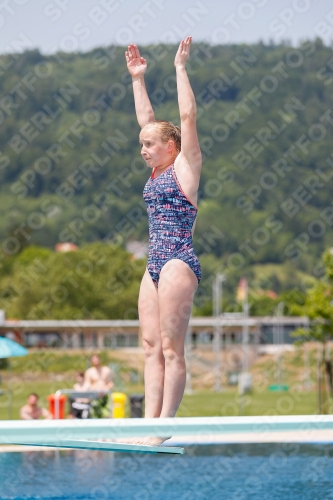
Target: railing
[78,395]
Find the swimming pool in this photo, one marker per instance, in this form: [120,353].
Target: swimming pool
[229,472]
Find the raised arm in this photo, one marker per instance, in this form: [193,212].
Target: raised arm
[137,66]
[190,149]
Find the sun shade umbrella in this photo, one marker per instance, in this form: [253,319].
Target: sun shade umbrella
[8,349]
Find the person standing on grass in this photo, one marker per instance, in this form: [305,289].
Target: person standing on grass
[99,378]
[173,270]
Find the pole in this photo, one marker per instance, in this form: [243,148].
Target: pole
[245,348]
[275,344]
[306,381]
[245,339]
[217,300]
[10,394]
[280,353]
[319,398]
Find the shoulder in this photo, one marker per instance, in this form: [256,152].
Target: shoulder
[188,177]
[192,164]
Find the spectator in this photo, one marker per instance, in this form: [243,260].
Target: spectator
[80,383]
[79,407]
[99,378]
[31,411]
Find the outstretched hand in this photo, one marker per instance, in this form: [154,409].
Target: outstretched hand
[183,52]
[136,64]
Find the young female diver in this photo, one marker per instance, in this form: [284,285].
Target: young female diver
[173,270]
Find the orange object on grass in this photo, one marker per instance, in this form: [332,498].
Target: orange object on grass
[57,412]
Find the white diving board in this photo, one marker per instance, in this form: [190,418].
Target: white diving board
[55,432]
[82,444]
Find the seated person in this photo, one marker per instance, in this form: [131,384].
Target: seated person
[79,406]
[31,411]
[80,384]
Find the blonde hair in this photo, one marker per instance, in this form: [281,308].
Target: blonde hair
[167,131]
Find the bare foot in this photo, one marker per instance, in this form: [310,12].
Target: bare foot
[148,441]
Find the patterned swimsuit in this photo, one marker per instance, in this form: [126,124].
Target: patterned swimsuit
[171,217]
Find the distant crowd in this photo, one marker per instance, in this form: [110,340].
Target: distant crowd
[96,378]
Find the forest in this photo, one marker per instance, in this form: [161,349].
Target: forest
[71,170]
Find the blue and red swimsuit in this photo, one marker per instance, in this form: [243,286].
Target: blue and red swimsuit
[171,217]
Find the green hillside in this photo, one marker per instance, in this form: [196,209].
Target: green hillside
[70,165]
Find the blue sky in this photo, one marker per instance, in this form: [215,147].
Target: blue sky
[80,25]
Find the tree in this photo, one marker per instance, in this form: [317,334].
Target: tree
[242,191]
[99,281]
[318,306]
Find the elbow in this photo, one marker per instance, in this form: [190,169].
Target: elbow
[148,118]
[189,115]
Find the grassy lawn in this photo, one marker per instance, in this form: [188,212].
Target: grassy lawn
[43,389]
[201,403]
[44,372]
[228,403]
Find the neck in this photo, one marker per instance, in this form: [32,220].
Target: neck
[161,168]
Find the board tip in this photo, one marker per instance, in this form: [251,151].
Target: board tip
[81,444]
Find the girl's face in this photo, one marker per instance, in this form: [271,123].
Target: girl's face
[153,150]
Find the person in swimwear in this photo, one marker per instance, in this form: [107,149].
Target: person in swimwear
[32,411]
[173,270]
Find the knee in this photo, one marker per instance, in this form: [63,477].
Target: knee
[151,349]
[172,351]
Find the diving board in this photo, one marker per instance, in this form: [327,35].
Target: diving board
[82,444]
[44,431]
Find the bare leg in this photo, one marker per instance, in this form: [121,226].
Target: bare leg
[152,345]
[177,287]
[176,290]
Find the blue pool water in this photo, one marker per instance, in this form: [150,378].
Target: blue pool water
[228,472]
